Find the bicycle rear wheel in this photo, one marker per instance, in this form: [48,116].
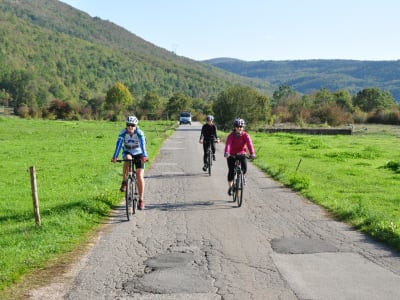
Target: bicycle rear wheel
[239,186]
[129,198]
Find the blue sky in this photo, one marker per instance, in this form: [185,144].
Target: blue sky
[259,29]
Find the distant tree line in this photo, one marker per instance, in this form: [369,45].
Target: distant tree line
[370,105]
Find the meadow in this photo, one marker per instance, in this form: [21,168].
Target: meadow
[76,182]
[356,178]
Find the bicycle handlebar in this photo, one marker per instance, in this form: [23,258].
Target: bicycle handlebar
[236,156]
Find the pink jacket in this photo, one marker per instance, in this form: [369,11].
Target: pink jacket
[236,144]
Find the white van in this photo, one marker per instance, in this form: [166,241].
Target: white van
[185,118]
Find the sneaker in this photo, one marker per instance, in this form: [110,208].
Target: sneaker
[123,186]
[205,168]
[213,157]
[141,204]
[230,191]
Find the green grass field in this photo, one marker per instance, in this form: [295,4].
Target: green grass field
[77,186]
[355,177]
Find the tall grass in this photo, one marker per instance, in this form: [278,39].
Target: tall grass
[77,186]
[355,177]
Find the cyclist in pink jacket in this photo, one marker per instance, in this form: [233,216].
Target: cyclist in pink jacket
[237,142]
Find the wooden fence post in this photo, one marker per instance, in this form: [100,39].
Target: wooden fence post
[35,195]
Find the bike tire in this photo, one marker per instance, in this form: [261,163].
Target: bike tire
[239,189]
[209,158]
[135,198]
[129,198]
[234,198]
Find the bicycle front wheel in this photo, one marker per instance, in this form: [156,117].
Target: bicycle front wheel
[209,161]
[129,198]
[234,195]
[135,197]
[239,186]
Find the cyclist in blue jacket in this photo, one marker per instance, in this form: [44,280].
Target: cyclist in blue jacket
[132,141]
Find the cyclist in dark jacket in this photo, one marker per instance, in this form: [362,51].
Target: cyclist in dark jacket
[208,136]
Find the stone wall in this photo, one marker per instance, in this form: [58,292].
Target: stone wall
[321,131]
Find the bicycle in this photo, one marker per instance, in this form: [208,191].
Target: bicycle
[131,198]
[238,180]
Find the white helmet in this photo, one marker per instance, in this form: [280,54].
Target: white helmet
[239,123]
[132,120]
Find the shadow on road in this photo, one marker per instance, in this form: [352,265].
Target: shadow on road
[175,174]
[191,206]
[118,214]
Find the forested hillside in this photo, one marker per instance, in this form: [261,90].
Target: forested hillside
[306,76]
[50,50]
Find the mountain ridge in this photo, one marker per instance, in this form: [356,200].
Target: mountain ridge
[66,54]
[306,76]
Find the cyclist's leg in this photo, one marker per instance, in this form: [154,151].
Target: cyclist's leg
[213,149]
[244,168]
[231,171]
[205,147]
[243,161]
[125,170]
[140,182]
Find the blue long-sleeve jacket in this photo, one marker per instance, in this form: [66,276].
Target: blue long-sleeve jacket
[135,144]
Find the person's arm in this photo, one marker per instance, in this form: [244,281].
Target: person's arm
[118,145]
[250,146]
[142,142]
[228,145]
[215,133]
[201,134]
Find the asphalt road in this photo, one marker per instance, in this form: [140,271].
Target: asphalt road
[192,242]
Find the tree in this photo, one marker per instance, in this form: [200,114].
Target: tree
[344,100]
[152,106]
[241,102]
[370,99]
[323,97]
[282,93]
[177,103]
[118,97]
